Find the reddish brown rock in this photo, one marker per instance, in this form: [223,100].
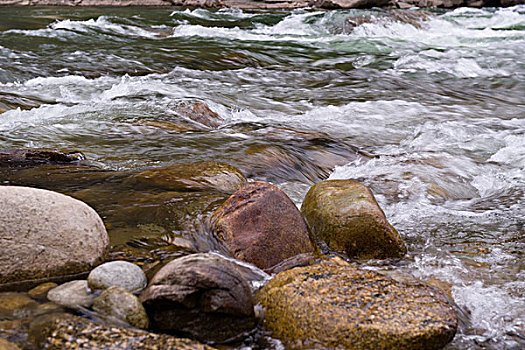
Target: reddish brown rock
[261,225]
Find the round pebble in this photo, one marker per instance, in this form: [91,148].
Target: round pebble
[119,274]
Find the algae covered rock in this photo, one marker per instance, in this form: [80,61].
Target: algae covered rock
[63,331]
[200,295]
[122,305]
[261,225]
[46,236]
[345,215]
[198,176]
[343,307]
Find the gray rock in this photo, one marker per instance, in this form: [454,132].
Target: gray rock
[72,294]
[46,236]
[118,273]
[120,304]
[201,295]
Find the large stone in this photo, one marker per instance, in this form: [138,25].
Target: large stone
[345,215]
[201,295]
[120,274]
[198,176]
[119,303]
[261,225]
[46,236]
[344,307]
[74,294]
[62,331]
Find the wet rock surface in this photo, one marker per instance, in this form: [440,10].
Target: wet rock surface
[117,273]
[120,304]
[345,215]
[198,176]
[338,306]
[46,236]
[40,291]
[201,295]
[6,345]
[74,294]
[62,331]
[35,156]
[261,225]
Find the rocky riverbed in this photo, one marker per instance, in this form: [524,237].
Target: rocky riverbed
[210,298]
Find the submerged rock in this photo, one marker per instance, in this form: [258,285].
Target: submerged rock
[63,331]
[40,291]
[198,176]
[46,236]
[201,295]
[74,294]
[118,273]
[261,225]
[343,307]
[349,4]
[16,305]
[34,156]
[345,215]
[120,304]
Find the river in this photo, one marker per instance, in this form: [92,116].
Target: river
[429,114]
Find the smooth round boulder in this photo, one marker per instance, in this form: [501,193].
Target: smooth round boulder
[74,294]
[202,296]
[64,331]
[40,291]
[46,236]
[345,215]
[119,303]
[119,274]
[197,176]
[344,307]
[259,224]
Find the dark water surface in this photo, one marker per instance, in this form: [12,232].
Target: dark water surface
[429,114]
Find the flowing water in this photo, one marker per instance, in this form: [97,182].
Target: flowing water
[428,111]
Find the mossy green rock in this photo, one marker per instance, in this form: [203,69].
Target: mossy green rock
[63,331]
[121,304]
[198,176]
[343,307]
[345,215]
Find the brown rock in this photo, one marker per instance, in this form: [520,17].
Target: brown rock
[261,225]
[201,295]
[348,4]
[15,156]
[40,291]
[5,345]
[63,331]
[200,112]
[331,306]
[345,215]
[120,304]
[198,176]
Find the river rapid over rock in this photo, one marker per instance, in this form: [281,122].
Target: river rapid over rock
[427,110]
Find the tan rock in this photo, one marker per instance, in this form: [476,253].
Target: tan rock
[261,225]
[121,304]
[344,307]
[46,236]
[345,215]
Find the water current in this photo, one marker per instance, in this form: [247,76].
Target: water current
[428,111]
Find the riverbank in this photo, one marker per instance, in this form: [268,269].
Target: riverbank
[272,4]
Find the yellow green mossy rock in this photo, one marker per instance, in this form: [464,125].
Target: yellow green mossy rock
[344,307]
[345,215]
[64,331]
[198,176]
